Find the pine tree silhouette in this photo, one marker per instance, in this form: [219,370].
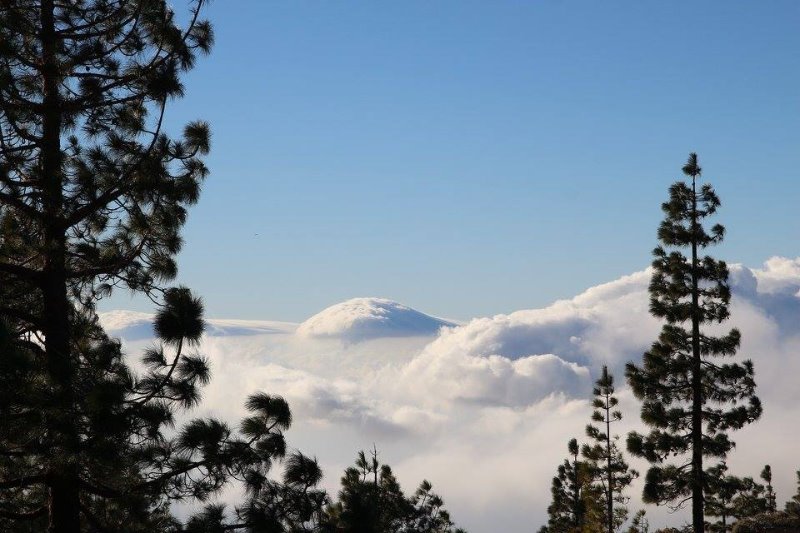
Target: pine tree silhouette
[690,399]
[93,194]
[603,458]
[576,505]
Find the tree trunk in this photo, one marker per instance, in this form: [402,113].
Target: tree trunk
[63,501]
[62,477]
[697,386]
[610,495]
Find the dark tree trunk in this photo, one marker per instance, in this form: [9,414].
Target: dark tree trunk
[698,523]
[63,501]
[610,494]
[62,478]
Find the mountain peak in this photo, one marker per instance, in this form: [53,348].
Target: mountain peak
[365,318]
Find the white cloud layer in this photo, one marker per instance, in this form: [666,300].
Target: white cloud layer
[484,409]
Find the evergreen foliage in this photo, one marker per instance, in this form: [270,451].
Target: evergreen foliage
[604,460]
[93,194]
[639,523]
[793,505]
[690,398]
[293,504]
[371,501]
[786,521]
[771,498]
[577,505]
[731,498]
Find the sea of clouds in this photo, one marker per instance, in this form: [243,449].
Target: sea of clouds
[484,409]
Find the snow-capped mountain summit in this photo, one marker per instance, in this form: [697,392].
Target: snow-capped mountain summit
[368,318]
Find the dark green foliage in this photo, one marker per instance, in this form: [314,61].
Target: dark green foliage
[793,505]
[577,505]
[771,499]
[371,501]
[93,194]
[690,398]
[639,523]
[86,164]
[293,504]
[429,514]
[732,498]
[180,318]
[604,460]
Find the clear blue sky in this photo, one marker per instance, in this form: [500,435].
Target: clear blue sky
[469,158]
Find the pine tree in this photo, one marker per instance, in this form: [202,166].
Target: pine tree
[730,498]
[604,459]
[93,194]
[639,523]
[721,489]
[371,501]
[770,498]
[689,398]
[429,514]
[576,505]
[786,520]
[793,505]
[751,499]
[293,504]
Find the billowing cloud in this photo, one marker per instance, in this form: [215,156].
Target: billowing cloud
[442,379]
[605,324]
[484,409]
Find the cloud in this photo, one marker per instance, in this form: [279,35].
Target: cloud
[443,378]
[607,324]
[779,275]
[484,409]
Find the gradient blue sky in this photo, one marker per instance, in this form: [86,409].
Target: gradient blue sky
[469,158]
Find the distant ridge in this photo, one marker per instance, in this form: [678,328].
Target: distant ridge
[134,325]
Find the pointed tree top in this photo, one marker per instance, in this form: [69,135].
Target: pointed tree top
[766,474]
[573,446]
[606,379]
[691,168]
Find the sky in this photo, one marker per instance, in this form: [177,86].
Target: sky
[481,162]
[471,158]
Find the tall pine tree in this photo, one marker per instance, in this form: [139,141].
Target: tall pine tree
[691,399]
[603,458]
[93,194]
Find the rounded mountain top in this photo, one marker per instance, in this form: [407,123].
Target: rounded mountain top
[368,318]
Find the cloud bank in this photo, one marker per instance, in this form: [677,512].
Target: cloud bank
[484,409]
